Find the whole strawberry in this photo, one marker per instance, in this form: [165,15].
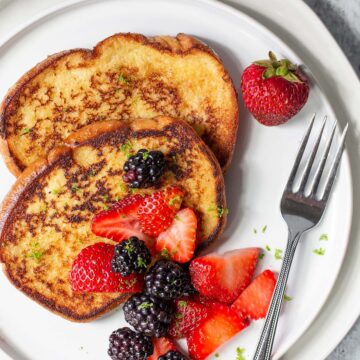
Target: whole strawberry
[91,272]
[274,90]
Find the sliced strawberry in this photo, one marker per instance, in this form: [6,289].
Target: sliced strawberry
[220,326]
[120,222]
[188,315]
[91,272]
[157,210]
[161,347]
[179,239]
[254,301]
[224,277]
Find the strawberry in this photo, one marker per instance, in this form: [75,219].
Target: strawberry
[188,315]
[91,272]
[179,239]
[224,277]
[220,326]
[156,211]
[254,301]
[161,346]
[120,222]
[274,90]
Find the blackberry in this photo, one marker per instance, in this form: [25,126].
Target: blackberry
[148,314]
[166,280]
[189,289]
[126,344]
[144,169]
[131,256]
[172,355]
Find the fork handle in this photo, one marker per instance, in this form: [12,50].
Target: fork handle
[264,348]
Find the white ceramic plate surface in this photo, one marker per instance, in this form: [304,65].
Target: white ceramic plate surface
[255,181]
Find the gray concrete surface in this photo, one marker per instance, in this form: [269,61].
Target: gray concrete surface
[342,18]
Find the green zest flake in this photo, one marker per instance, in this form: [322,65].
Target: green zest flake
[267,247]
[261,256]
[219,210]
[141,262]
[133,190]
[117,198]
[106,197]
[178,316]
[165,253]
[264,229]
[54,191]
[123,79]
[255,231]
[43,208]
[240,354]
[129,248]
[323,237]
[319,251]
[35,253]
[145,305]
[177,218]
[278,254]
[25,131]
[130,283]
[145,155]
[75,188]
[122,186]
[287,298]
[106,207]
[222,211]
[217,355]
[175,200]
[183,303]
[126,148]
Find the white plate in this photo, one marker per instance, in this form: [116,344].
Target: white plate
[255,180]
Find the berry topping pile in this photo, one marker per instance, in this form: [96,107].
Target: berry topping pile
[131,257]
[144,169]
[206,300]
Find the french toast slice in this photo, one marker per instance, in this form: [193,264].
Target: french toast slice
[124,76]
[45,219]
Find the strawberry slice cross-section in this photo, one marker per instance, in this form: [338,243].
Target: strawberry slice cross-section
[224,277]
[179,239]
[254,301]
[120,222]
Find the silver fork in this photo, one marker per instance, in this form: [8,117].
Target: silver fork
[301,212]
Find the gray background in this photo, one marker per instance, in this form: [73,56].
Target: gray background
[342,18]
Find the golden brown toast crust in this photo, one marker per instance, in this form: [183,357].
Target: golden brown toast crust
[58,223]
[205,96]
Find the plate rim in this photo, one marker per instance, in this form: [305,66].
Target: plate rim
[68,4]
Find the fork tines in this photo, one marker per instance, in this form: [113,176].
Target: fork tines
[304,180]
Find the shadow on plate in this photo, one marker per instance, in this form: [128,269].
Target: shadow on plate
[233,176]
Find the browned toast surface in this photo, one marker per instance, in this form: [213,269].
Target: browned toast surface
[124,76]
[45,219]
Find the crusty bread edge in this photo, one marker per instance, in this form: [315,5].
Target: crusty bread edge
[160,43]
[11,162]
[35,170]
